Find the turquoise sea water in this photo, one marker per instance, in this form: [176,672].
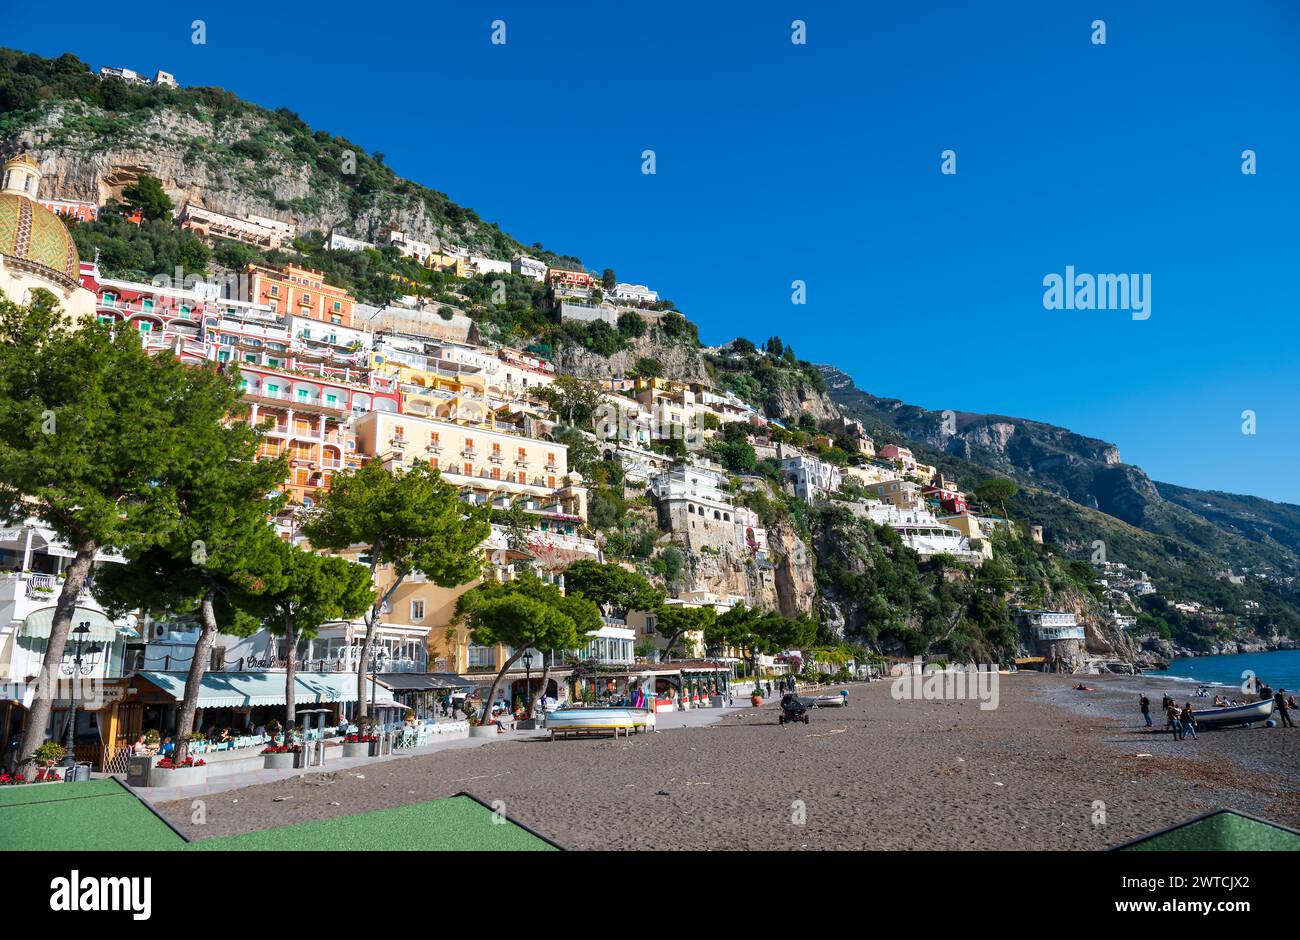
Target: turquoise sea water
[1280,669]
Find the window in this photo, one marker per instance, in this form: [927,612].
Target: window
[275,291]
[338,305]
[417,610]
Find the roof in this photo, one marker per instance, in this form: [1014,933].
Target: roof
[422,681]
[32,235]
[245,689]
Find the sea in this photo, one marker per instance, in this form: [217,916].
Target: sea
[1280,669]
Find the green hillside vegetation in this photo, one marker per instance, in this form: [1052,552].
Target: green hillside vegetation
[103,113]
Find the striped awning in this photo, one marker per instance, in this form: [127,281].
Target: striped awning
[246,689]
[39,622]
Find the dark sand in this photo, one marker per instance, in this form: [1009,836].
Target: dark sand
[881,774]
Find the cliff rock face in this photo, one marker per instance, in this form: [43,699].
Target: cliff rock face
[191,155]
[785,584]
[796,399]
[679,361]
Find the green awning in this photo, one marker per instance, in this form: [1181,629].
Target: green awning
[246,689]
[102,629]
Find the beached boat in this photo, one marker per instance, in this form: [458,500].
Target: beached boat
[1233,714]
[598,721]
[828,701]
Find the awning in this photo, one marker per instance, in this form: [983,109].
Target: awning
[39,622]
[246,689]
[423,681]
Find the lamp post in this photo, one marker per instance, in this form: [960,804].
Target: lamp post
[528,682]
[76,668]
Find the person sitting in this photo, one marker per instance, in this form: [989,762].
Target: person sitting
[167,747]
[139,748]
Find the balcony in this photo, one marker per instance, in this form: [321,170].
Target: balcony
[433,448]
[521,462]
[468,453]
[398,442]
[496,458]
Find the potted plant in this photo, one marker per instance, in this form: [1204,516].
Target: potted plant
[280,756]
[188,772]
[359,745]
[50,753]
[756,697]
[476,727]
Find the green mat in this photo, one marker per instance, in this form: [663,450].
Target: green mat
[93,815]
[457,823]
[1221,831]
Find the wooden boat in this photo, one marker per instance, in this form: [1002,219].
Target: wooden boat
[614,721]
[828,701]
[1233,714]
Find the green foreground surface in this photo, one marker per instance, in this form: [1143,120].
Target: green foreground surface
[1222,831]
[102,815]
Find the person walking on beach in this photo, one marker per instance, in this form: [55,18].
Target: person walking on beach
[1144,703]
[1189,722]
[1283,706]
[1174,723]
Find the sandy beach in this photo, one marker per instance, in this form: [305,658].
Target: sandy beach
[1049,768]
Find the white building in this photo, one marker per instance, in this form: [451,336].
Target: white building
[490,265]
[529,267]
[339,242]
[812,478]
[636,293]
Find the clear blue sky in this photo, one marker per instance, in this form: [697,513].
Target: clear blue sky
[821,162]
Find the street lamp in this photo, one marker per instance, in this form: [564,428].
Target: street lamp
[528,681]
[76,668]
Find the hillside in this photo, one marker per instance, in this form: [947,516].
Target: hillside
[95,137]
[1081,492]
[208,145]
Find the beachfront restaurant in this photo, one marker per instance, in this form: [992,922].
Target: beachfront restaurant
[240,702]
[422,692]
[691,682]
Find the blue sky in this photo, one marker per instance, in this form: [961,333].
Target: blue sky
[821,162]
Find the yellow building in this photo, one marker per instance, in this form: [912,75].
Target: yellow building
[36,249]
[488,465]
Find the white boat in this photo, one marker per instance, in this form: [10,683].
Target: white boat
[597,721]
[1233,714]
[829,701]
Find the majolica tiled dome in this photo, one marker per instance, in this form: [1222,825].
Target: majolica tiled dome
[31,234]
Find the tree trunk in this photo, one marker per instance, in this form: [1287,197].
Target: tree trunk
[363,702]
[363,666]
[546,676]
[46,684]
[194,681]
[496,684]
[290,679]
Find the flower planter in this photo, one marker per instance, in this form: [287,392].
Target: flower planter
[527,724]
[482,731]
[357,749]
[286,761]
[756,700]
[179,777]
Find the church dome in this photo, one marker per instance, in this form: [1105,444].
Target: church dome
[33,236]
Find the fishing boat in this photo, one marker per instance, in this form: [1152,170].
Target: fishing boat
[566,721]
[1233,714]
[829,701]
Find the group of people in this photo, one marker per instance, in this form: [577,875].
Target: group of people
[1182,721]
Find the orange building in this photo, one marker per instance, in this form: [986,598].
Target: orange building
[299,291]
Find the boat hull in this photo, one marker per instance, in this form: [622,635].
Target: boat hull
[1233,714]
[597,719]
